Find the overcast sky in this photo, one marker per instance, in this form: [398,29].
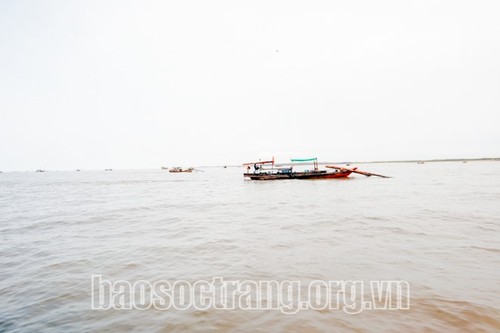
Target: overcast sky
[141,84]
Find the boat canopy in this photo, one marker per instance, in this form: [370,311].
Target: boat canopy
[259,162]
[314,160]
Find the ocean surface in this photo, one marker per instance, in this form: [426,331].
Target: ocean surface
[435,225]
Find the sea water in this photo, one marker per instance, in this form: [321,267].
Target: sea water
[434,225]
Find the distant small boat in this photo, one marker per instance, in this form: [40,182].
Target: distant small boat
[77,169]
[108,169]
[40,170]
[164,168]
[179,169]
[464,162]
[420,162]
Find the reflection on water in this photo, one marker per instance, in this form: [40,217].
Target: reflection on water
[434,225]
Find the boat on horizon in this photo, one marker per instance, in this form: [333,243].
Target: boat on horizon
[179,169]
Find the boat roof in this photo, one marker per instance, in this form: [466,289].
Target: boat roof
[304,159]
[259,162]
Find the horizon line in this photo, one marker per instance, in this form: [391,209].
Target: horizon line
[286,163]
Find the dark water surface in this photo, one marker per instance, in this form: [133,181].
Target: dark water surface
[435,225]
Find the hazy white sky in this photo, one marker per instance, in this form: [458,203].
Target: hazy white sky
[141,84]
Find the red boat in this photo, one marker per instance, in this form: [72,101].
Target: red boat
[259,173]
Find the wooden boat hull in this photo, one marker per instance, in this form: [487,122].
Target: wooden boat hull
[322,175]
[179,170]
[298,175]
[267,176]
